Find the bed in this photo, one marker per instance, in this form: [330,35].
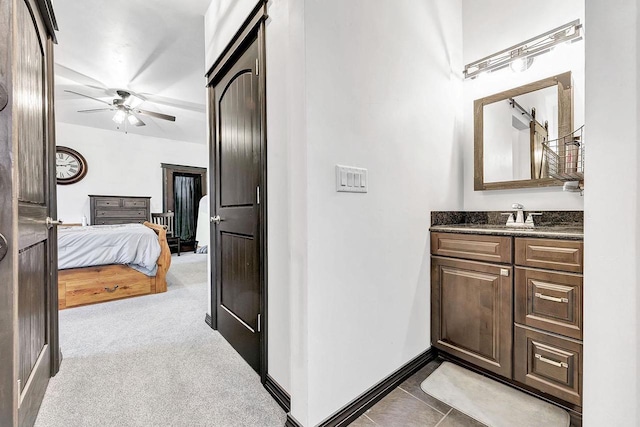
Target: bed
[109,262]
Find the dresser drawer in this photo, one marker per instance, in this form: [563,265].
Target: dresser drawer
[471,246]
[110,202]
[548,363]
[564,255]
[132,213]
[134,203]
[549,300]
[118,221]
[119,282]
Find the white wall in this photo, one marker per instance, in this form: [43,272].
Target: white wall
[221,22]
[493,25]
[383,92]
[349,273]
[120,164]
[611,297]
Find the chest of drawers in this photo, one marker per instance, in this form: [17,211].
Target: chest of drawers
[107,210]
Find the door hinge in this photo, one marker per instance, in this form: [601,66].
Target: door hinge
[259,319]
[258,195]
[257,67]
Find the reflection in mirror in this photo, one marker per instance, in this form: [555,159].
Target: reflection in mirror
[514,130]
[510,128]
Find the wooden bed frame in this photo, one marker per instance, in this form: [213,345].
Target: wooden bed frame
[90,285]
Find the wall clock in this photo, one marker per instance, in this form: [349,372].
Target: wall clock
[71,166]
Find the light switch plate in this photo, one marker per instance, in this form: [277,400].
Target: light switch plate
[351,180]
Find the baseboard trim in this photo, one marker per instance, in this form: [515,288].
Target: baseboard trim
[366,400]
[292,422]
[208,321]
[278,393]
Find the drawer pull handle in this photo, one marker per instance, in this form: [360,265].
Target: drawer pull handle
[551,362]
[112,289]
[548,298]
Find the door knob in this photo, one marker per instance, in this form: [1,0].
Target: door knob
[52,222]
[4,97]
[4,247]
[216,219]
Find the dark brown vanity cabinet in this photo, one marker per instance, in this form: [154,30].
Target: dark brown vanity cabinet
[548,317]
[471,301]
[518,315]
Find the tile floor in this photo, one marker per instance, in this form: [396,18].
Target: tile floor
[408,406]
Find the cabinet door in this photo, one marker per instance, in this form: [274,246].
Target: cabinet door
[471,315]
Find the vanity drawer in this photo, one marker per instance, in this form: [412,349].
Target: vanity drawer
[549,300]
[472,246]
[548,363]
[564,255]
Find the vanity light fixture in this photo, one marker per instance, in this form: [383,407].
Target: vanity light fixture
[520,56]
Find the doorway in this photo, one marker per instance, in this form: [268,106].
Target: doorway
[238,203]
[182,189]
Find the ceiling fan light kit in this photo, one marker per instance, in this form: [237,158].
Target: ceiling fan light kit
[119,117]
[125,108]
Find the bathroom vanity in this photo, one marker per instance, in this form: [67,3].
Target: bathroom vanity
[509,300]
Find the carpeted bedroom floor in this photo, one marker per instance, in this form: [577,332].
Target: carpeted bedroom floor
[153,361]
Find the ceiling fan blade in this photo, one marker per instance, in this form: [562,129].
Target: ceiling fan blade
[87,96]
[95,110]
[156,115]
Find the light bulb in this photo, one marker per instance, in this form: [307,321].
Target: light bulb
[520,64]
[119,116]
[133,120]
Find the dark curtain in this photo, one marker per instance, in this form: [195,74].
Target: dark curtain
[187,194]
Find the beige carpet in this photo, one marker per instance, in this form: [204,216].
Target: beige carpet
[152,361]
[490,402]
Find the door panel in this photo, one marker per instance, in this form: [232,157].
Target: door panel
[29,90]
[240,295]
[237,175]
[237,112]
[31,308]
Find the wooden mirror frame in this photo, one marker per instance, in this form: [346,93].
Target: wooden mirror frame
[565,126]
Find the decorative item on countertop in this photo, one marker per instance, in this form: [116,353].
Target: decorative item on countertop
[563,159]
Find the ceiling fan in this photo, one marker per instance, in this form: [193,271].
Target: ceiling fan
[126,108]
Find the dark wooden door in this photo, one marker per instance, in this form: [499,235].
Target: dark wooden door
[236,214]
[28,337]
[471,315]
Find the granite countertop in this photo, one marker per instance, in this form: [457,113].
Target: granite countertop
[560,231]
[566,225]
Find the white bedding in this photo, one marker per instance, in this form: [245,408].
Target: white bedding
[133,244]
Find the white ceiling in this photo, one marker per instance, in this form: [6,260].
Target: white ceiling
[154,48]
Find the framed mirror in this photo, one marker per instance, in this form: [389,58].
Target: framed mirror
[510,128]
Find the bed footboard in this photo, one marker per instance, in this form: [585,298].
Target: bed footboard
[164,260]
[90,285]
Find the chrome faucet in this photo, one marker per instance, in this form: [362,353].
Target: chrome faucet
[519,214]
[519,221]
